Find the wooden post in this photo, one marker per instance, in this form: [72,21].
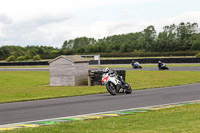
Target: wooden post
[89,78]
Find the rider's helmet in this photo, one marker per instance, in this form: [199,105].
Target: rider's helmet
[159,62]
[105,70]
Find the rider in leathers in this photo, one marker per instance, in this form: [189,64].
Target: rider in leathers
[114,73]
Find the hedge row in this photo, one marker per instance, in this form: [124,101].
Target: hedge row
[149,54]
[131,54]
[49,56]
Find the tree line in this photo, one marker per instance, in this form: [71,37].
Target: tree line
[26,53]
[181,37]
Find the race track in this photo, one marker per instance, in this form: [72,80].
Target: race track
[61,107]
[145,68]
[156,69]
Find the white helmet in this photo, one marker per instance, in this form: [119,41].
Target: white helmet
[105,70]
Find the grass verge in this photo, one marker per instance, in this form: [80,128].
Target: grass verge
[178,119]
[31,85]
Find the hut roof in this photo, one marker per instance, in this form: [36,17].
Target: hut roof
[71,58]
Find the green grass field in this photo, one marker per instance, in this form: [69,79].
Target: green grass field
[182,119]
[31,85]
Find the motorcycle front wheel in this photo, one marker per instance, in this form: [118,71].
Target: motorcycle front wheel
[111,88]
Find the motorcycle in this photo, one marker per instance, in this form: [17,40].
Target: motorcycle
[136,65]
[115,84]
[163,67]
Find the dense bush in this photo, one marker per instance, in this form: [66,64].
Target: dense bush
[148,54]
[36,58]
[20,58]
[49,56]
[10,58]
[27,57]
[198,55]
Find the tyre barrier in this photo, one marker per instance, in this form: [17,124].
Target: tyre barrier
[94,77]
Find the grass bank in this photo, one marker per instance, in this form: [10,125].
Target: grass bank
[31,85]
[173,120]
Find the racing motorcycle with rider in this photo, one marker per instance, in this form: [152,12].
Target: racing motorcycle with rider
[115,83]
[136,64]
[162,66]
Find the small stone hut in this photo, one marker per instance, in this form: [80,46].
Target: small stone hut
[69,71]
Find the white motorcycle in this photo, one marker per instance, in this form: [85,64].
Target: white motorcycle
[115,84]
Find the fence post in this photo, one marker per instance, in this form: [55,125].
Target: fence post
[89,78]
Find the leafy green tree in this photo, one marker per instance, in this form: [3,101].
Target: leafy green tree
[184,34]
[5,50]
[196,42]
[126,47]
[67,51]
[27,57]
[31,52]
[10,58]
[83,41]
[36,58]
[149,38]
[20,58]
[197,55]
[68,44]
[167,39]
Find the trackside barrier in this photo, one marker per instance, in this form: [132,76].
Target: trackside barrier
[24,63]
[94,77]
[117,61]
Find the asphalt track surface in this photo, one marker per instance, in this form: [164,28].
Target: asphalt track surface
[170,69]
[70,106]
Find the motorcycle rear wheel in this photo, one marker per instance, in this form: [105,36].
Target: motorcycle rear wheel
[111,88]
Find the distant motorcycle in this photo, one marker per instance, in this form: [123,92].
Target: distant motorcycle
[162,66]
[115,83]
[136,65]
